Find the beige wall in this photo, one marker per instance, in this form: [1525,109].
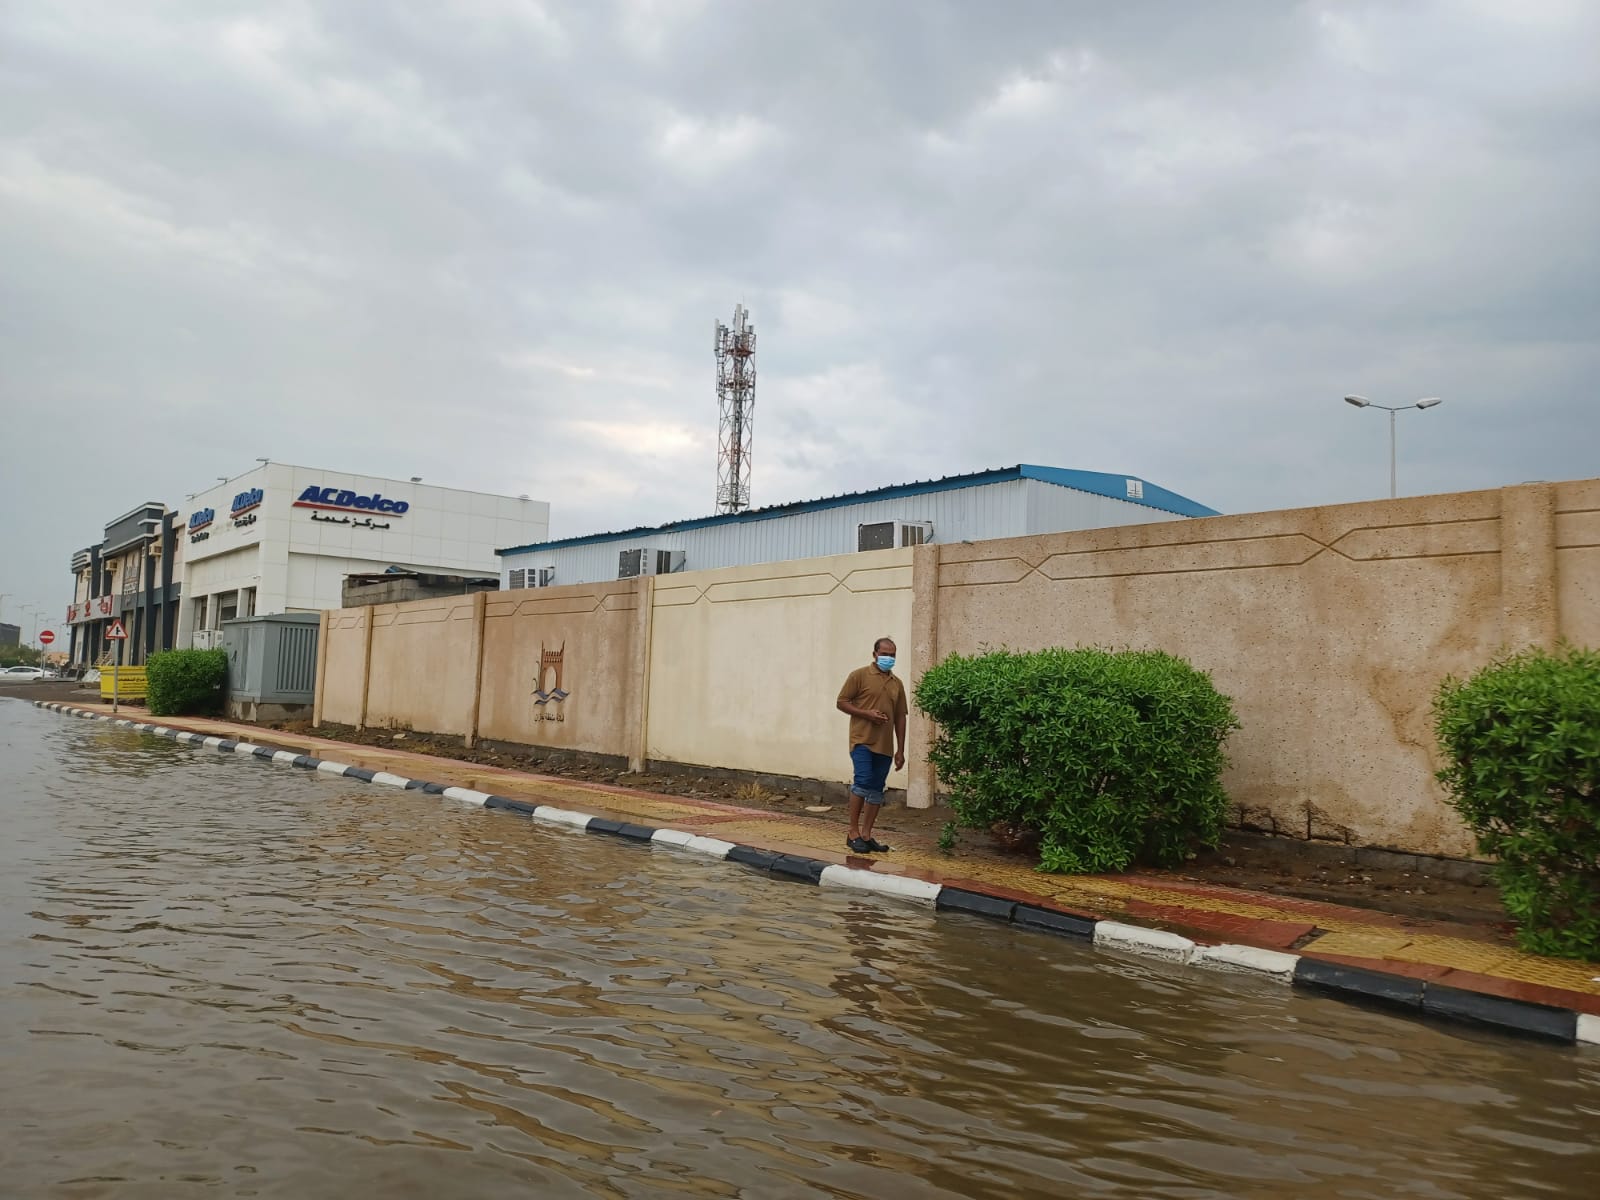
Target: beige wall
[1330,627]
[1577,560]
[424,665]
[746,662]
[342,674]
[592,633]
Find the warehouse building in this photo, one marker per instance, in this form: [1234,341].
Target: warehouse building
[1008,502]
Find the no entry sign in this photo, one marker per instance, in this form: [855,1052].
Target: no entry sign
[46,637]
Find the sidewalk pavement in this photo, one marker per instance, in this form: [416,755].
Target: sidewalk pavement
[1470,958]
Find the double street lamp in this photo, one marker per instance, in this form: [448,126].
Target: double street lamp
[1363,402]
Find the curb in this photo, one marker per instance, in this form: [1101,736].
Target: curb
[1396,993]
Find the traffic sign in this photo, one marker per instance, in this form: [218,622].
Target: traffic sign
[116,633]
[46,637]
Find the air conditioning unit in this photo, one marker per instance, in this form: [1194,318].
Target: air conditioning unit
[891,535]
[644,561]
[155,550]
[206,639]
[517,580]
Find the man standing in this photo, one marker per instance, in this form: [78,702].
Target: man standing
[875,701]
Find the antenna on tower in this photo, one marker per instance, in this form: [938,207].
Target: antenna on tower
[736,402]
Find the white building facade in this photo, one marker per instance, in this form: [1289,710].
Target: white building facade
[1008,502]
[282,538]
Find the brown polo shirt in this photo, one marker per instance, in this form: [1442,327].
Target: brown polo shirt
[868,687]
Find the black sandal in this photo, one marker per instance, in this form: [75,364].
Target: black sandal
[875,846]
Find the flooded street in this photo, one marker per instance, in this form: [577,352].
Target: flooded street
[225,978]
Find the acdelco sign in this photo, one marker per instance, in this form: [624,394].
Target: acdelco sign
[246,501]
[347,501]
[201,519]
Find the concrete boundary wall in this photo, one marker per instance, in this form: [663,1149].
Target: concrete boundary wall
[1330,627]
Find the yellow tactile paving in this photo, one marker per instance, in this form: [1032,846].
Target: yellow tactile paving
[1360,936]
[1461,954]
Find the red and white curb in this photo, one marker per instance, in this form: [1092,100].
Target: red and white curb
[1398,992]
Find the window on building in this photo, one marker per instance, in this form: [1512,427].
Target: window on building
[249,607]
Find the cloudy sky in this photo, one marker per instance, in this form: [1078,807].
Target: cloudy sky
[485,242]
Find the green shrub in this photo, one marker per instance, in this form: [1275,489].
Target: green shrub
[1107,757]
[186,681]
[1522,740]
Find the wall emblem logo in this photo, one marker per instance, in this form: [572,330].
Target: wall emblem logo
[343,500]
[246,502]
[548,704]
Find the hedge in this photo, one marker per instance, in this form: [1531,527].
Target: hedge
[186,682]
[1522,742]
[1106,758]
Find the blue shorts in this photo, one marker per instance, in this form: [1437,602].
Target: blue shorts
[872,772]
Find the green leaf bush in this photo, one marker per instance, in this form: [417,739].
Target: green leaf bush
[1106,757]
[180,682]
[1522,740]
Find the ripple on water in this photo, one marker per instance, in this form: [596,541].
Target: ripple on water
[222,976]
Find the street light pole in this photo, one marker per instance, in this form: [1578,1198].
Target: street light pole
[1394,487]
[1392,409]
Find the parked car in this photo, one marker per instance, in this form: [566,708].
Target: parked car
[27,674]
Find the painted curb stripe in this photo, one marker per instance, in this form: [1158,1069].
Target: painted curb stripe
[1156,943]
[751,856]
[1353,983]
[506,804]
[715,847]
[901,887]
[561,816]
[1030,917]
[1414,996]
[961,900]
[793,866]
[1518,1016]
[1247,960]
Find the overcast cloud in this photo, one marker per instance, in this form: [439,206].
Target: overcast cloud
[485,242]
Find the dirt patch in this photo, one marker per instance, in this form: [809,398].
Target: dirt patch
[1378,880]
[60,691]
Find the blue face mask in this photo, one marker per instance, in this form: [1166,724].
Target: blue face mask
[885,662]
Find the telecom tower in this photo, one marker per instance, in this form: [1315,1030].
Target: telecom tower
[736,402]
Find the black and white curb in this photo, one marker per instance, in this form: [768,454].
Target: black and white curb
[1397,993]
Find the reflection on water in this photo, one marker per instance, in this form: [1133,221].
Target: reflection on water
[225,978]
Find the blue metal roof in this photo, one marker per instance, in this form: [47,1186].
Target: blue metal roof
[1097,483]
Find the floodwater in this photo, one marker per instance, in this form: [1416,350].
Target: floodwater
[225,978]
